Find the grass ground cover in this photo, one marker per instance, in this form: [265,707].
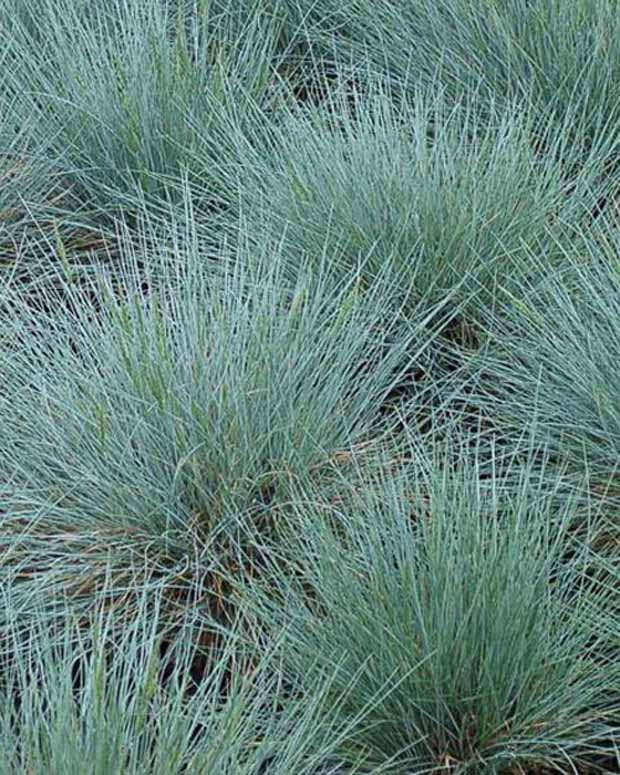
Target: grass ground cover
[458,616]
[308,387]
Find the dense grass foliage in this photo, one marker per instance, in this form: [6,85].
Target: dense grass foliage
[557,60]
[116,94]
[551,365]
[85,706]
[363,178]
[454,616]
[308,387]
[162,425]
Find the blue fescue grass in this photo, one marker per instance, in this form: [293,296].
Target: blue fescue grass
[111,89]
[120,706]
[307,387]
[123,102]
[428,188]
[450,607]
[148,435]
[29,184]
[558,61]
[549,364]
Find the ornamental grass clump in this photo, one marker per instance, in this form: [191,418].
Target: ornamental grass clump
[91,702]
[29,188]
[144,441]
[113,91]
[549,367]
[452,204]
[454,609]
[558,62]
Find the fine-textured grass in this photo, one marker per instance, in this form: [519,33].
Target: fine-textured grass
[550,364]
[308,391]
[451,608]
[85,706]
[429,188]
[557,61]
[29,185]
[115,90]
[141,440]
